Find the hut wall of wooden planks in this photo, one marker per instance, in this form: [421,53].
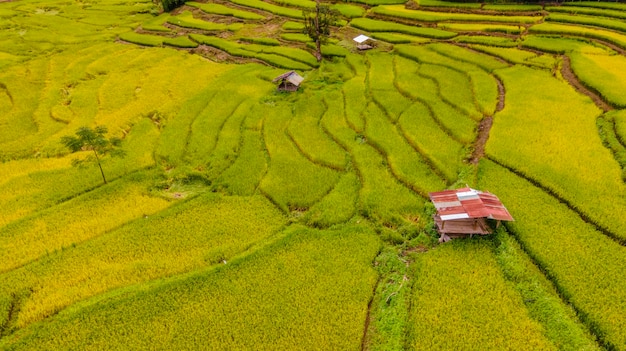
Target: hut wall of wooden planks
[466,211]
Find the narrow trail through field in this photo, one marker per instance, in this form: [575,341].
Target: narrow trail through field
[570,77]
[616,238]
[485,127]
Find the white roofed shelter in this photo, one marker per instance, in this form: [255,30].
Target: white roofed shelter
[363,42]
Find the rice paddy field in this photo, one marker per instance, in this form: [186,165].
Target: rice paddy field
[243,218]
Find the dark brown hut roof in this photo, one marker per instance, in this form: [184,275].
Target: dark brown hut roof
[291,76]
[469,203]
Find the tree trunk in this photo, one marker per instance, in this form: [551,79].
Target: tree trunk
[318,30]
[100,166]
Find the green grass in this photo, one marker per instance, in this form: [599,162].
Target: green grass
[371,25]
[218,9]
[298,37]
[430,16]
[600,5]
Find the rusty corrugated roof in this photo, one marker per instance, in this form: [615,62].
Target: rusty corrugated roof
[469,203]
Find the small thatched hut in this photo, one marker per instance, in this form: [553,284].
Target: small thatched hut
[289,81]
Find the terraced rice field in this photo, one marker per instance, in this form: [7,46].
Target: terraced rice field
[243,218]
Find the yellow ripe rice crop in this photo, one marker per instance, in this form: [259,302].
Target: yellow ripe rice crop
[196,234]
[582,263]
[309,290]
[461,301]
[603,74]
[573,162]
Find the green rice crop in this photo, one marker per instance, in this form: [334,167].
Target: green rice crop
[287,164]
[299,37]
[378,2]
[354,92]
[292,26]
[274,9]
[512,7]
[395,38]
[564,29]
[403,161]
[261,41]
[439,3]
[371,25]
[486,40]
[459,286]
[74,221]
[574,158]
[338,206]
[597,4]
[610,127]
[308,4]
[245,174]
[602,73]
[518,56]
[460,55]
[309,289]
[568,255]
[455,124]
[186,20]
[225,11]
[283,57]
[309,137]
[589,11]
[454,87]
[157,24]
[620,126]
[589,21]
[558,45]
[381,87]
[485,90]
[193,235]
[350,11]
[430,16]
[142,39]
[479,27]
[180,42]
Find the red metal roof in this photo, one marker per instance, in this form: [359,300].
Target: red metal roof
[469,203]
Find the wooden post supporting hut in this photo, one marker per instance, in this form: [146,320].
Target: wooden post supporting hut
[466,211]
[289,81]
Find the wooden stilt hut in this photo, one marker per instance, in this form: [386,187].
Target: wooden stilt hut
[289,81]
[466,211]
